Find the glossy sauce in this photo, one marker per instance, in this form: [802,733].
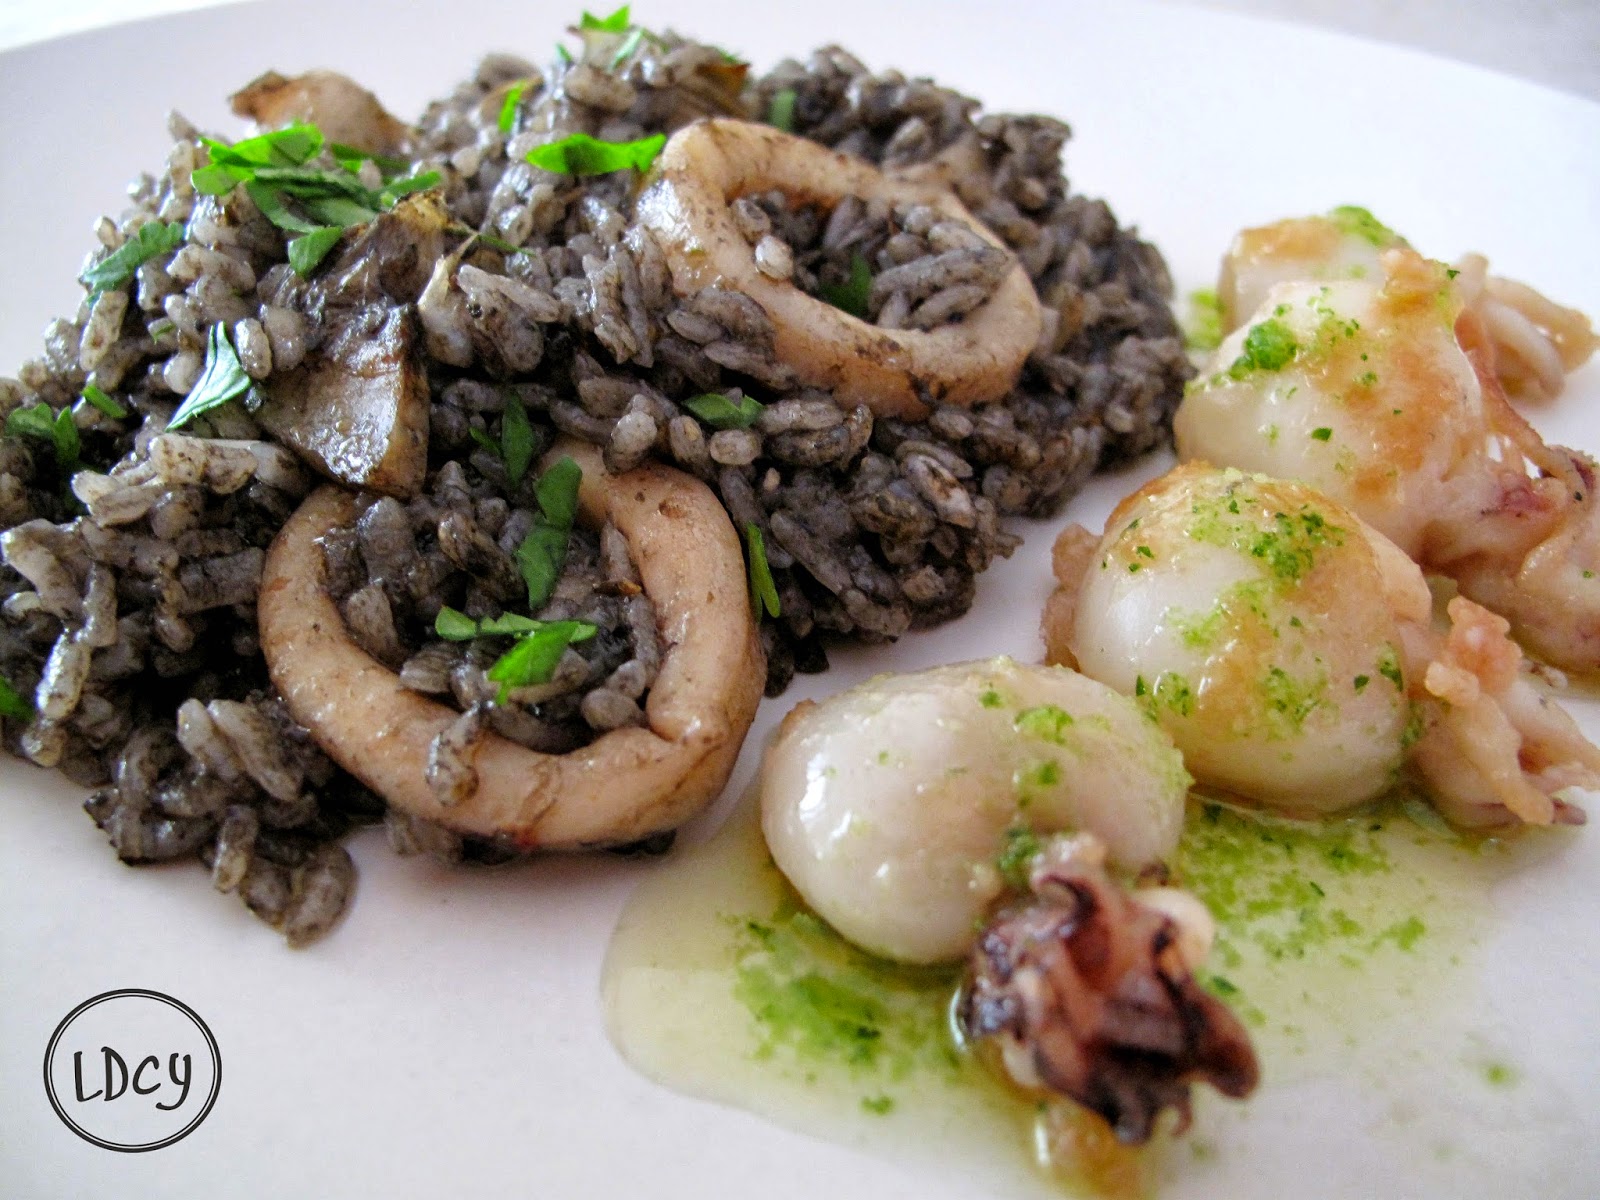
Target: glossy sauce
[1346,945]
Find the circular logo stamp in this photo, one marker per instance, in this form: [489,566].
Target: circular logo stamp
[132,1070]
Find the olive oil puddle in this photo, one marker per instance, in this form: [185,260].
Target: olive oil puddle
[1346,946]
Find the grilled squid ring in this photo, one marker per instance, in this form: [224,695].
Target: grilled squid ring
[625,785]
[894,372]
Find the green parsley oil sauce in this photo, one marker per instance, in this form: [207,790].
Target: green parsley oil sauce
[1346,946]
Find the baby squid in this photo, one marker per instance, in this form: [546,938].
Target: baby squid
[1532,342]
[889,805]
[976,811]
[1380,391]
[1289,649]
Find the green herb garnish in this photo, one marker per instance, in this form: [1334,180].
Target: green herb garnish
[151,241]
[223,379]
[1047,721]
[1015,862]
[456,626]
[617,22]
[13,703]
[518,442]
[230,165]
[1389,668]
[310,248]
[763,591]
[557,492]
[540,558]
[44,423]
[1322,433]
[543,553]
[300,199]
[780,113]
[1203,329]
[351,159]
[508,106]
[851,296]
[716,410]
[1268,346]
[1356,221]
[104,402]
[580,154]
[533,659]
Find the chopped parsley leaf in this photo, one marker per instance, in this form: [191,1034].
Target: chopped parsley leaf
[580,154]
[718,411]
[223,379]
[533,659]
[508,106]
[151,241]
[13,703]
[103,402]
[518,442]
[543,552]
[616,22]
[43,422]
[763,590]
[311,247]
[300,199]
[780,113]
[557,492]
[1322,434]
[456,626]
[851,296]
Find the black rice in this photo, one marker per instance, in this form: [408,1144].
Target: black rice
[132,554]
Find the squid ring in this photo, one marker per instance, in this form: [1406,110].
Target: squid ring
[894,372]
[625,785]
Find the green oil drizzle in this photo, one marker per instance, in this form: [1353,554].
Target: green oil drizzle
[1339,942]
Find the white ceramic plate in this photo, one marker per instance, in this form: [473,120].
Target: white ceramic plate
[447,1039]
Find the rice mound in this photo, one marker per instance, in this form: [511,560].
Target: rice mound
[130,576]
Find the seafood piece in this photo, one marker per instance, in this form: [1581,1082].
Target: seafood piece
[1289,650]
[358,411]
[1086,990]
[1532,342]
[906,808]
[888,805]
[894,372]
[629,783]
[1378,392]
[344,110]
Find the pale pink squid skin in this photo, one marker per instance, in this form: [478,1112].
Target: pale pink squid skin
[1417,437]
[1534,341]
[1494,752]
[1487,747]
[894,372]
[625,785]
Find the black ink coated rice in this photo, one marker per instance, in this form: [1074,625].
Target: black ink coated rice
[127,595]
